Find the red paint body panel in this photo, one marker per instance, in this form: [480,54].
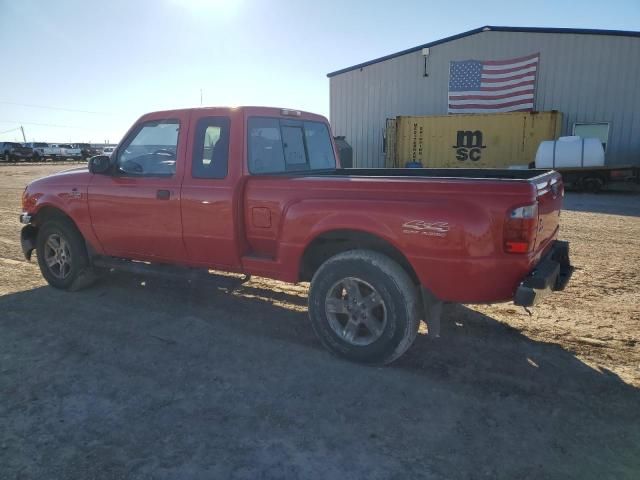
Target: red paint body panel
[129,220]
[65,191]
[466,265]
[210,207]
[449,229]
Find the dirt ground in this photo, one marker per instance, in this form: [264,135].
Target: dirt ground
[138,378]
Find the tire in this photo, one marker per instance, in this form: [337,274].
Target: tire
[592,184]
[72,248]
[383,297]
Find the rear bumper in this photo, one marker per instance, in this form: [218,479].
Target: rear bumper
[552,273]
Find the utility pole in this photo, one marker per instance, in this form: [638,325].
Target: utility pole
[200,97]
[23,135]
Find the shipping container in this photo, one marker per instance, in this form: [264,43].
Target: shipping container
[493,140]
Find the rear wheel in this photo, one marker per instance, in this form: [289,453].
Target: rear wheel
[62,255]
[364,307]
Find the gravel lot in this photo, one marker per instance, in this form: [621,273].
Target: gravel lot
[142,378]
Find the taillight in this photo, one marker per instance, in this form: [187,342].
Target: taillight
[520,229]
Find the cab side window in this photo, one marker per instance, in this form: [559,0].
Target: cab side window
[211,148]
[151,151]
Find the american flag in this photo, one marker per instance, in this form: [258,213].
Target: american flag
[487,86]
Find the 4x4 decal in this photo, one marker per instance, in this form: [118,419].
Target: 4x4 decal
[434,229]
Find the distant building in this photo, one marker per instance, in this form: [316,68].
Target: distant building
[591,76]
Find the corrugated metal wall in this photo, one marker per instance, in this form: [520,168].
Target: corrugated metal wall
[589,78]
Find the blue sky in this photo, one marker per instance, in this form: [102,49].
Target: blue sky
[108,62]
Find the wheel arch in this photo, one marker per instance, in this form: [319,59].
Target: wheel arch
[332,242]
[47,212]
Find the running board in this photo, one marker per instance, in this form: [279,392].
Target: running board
[145,268]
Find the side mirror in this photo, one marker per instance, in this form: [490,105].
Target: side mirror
[99,164]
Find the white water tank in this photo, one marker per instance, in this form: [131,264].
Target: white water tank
[570,152]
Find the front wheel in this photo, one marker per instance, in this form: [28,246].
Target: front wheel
[364,307]
[62,255]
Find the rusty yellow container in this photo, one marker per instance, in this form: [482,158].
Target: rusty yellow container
[495,140]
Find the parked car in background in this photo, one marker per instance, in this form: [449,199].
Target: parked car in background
[14,152]
[86,150]
[108,150]
[67,151]
[40,151]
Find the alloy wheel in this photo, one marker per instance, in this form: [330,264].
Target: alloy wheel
[57,256]
[356,311]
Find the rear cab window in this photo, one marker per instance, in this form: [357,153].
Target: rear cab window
[277,145]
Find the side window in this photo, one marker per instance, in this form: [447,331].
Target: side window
[265,146]
[152,150]
[211,149]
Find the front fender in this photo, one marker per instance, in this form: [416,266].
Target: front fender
[72,204]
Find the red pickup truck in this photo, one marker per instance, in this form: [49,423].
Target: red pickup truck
[260,191]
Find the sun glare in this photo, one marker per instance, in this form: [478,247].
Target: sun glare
[200,6]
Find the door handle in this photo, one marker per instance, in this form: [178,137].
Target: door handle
[163,194]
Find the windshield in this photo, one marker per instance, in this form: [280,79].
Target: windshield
[40,145]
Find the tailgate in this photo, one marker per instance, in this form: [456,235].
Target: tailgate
[550,194]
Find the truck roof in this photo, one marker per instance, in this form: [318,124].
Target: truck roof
[249,110]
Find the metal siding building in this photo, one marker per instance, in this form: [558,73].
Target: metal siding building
[590,76]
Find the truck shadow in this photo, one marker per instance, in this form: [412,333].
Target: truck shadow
[482,394]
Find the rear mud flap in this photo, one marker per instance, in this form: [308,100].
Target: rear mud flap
[432,308]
